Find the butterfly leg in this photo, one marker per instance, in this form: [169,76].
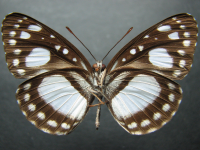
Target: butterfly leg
[97,121]
[99,99]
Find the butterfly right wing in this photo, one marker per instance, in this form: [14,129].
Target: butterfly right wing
[141,101]
[32,48]
[56,101]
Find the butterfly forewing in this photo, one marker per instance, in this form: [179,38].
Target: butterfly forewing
[141,101]
[56,102]
[166,48]
[32,48]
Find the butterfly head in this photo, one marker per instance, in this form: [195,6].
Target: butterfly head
[98,66]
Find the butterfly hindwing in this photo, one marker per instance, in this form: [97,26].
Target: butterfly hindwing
[32,48]
[166,48]
[57,101]
[141,101]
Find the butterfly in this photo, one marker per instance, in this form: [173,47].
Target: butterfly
[137,85]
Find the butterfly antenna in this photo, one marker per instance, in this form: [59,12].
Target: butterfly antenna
[80,41]
[118,42]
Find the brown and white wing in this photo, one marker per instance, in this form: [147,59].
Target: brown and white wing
[32,48]
[57,101]
[141,101]
[166,48]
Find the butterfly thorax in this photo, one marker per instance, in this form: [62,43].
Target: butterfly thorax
[99,71]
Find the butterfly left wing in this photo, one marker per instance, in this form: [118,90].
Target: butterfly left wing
[141,101]
[32,48]
[56,101]
[166,48]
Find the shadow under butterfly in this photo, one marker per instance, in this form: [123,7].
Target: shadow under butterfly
[137,85]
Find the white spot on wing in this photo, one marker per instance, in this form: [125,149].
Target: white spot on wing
[15,62]
[65,51]
[174,18]
[132,125]
[31,107]
[137,132]
[57,47]
[41,115]
[145,123]
[52,36]
[164,28]
[16,26]
[146,36]
[186,34]
[176,73]
[166,107]
[156,116]
[159,57]
[152,130]
[133,51]
[186,43]
[27,86]
[12,42]
[52,123]
[12,33]
[171,97]
[21,71]
[45,130]
[17,51]
[181,52]
[37,57]
[65,126]
[182,26]
[173,36]
[27,97]
[74,59]
[182,63]
[124,59]
[34,28]
[61,133]
[171,86]
[141,47]
[25,35]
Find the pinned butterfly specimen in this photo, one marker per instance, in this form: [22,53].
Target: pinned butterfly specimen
[137,85]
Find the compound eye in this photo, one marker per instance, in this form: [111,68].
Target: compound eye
[94,66]
[103,67]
